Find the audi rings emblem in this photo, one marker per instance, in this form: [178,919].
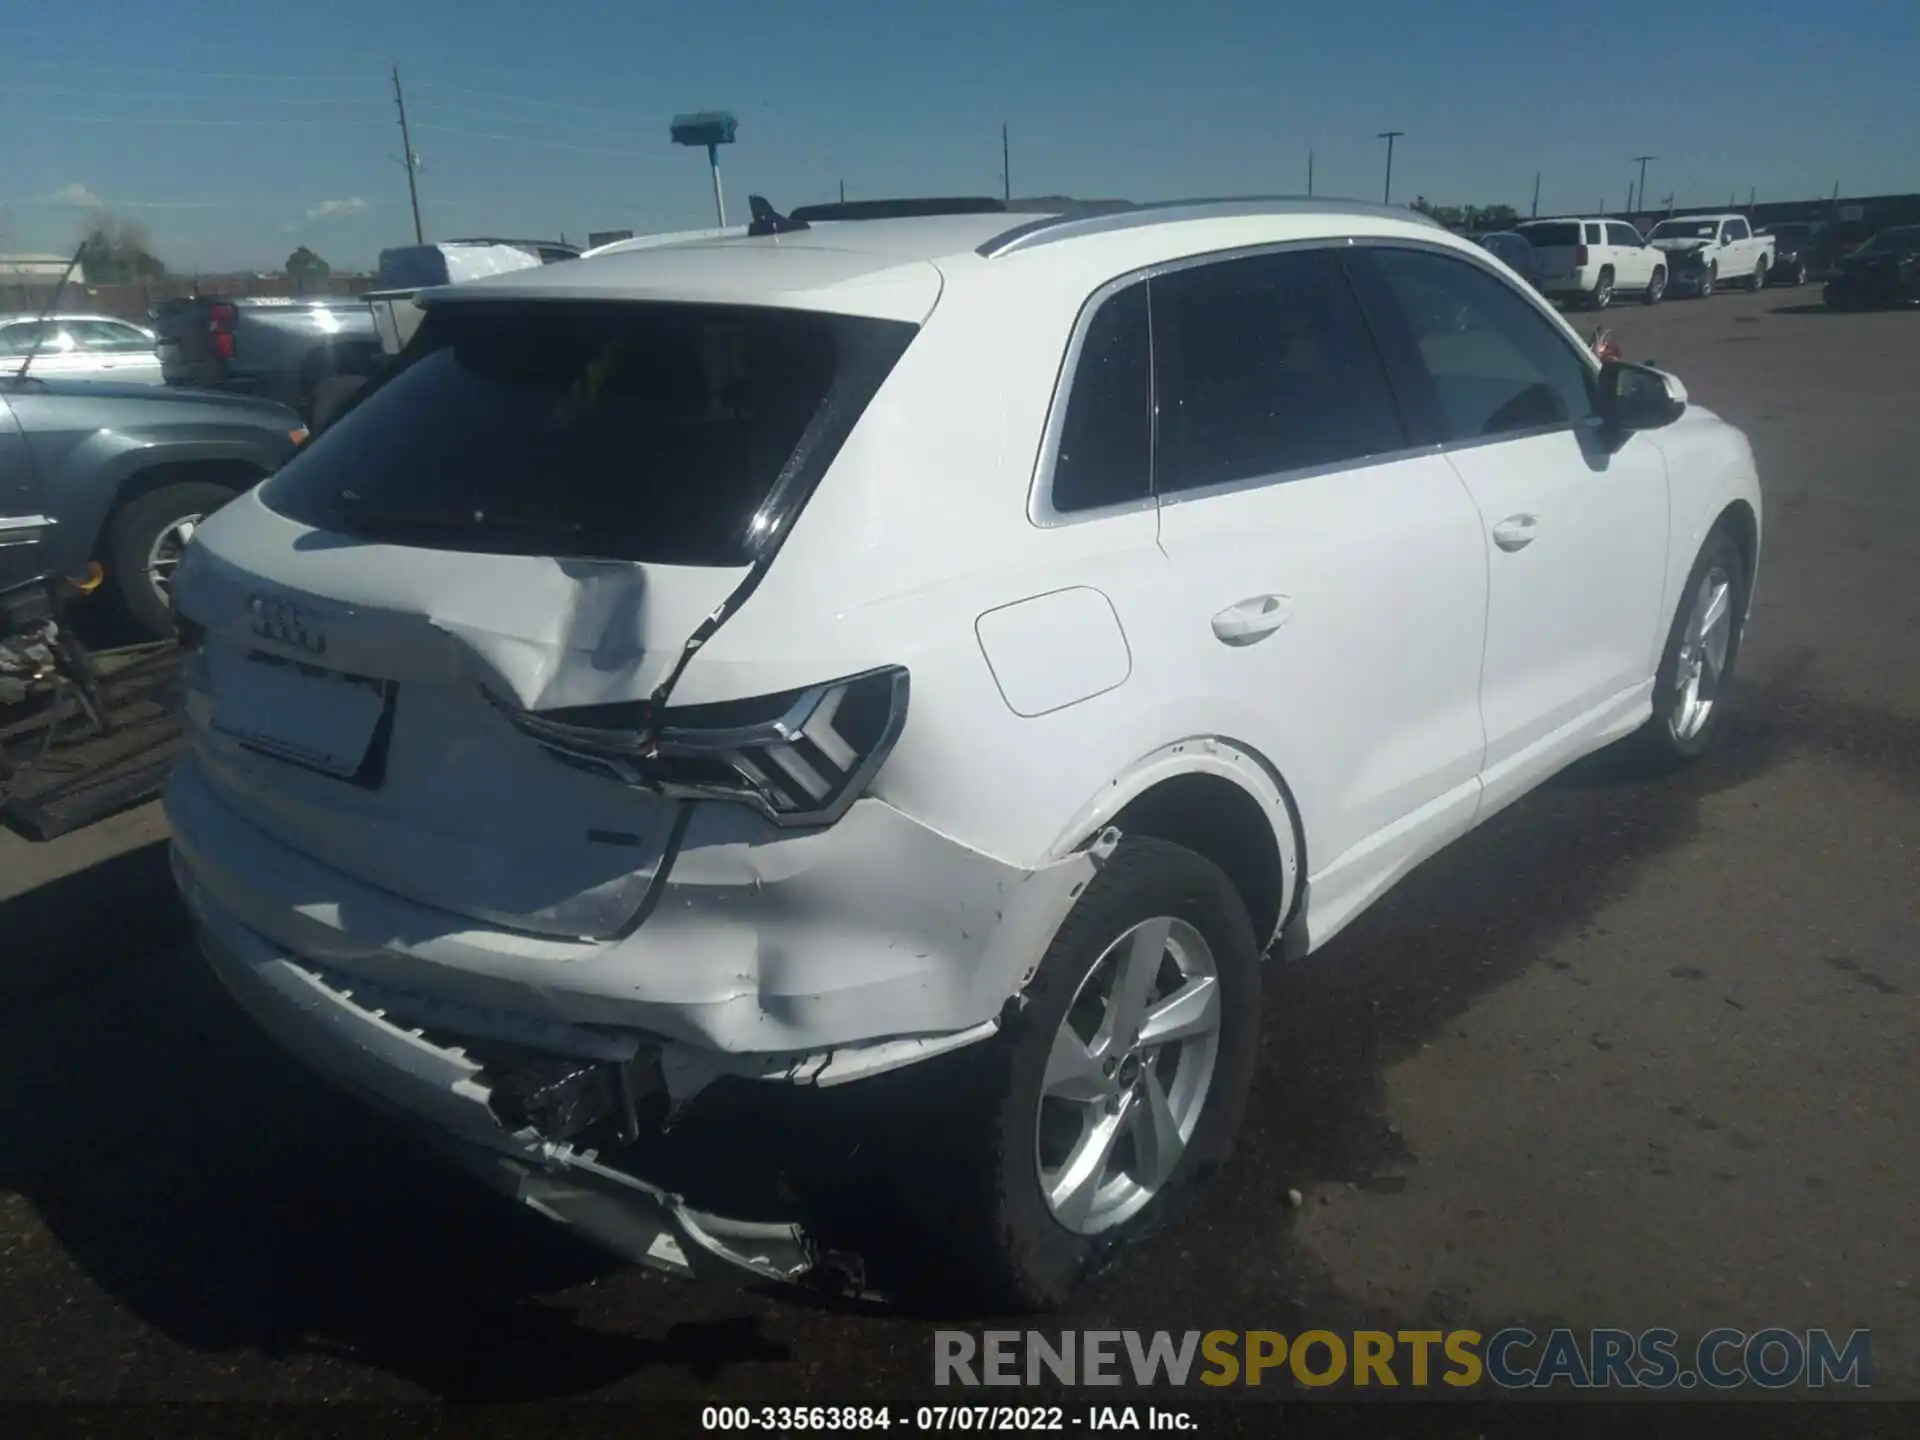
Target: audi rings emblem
[275,618]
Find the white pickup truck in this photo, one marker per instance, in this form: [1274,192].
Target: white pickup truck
[1707,251]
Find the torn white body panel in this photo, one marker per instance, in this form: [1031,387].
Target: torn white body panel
[781,946]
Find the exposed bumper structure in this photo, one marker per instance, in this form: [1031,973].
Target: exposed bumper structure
[401,1070]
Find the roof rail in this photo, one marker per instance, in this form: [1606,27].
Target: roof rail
[1049,228]
[903,208]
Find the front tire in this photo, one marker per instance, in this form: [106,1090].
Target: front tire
[1709,280]
[1697,665]
[144,546]
[1757,281]
[1657,286]
[1113,1093]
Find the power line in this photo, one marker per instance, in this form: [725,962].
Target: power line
[184,120]
[107,204]
[174,73]
[505,98]
[525,140]
[96,93]
[475,117]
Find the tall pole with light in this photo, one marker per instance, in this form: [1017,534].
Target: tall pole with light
[711,129]
[1389,136]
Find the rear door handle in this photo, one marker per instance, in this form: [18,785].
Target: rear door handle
[1252,619]
[1516,532]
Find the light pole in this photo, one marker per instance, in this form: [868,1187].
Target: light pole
[1389,136]
[711,128]
[1641,161]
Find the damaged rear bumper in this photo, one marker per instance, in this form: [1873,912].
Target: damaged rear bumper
[813,959]
[406,1072]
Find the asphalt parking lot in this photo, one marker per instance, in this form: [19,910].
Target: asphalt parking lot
[1634,1054]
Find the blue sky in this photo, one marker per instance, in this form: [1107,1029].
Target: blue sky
[235,131]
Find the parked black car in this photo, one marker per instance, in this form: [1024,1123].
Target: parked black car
[1796,252]
[1512,247]
[1884,271]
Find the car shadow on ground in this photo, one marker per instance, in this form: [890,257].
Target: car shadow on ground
[237,1205]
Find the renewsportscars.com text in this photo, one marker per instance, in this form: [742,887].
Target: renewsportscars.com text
[1513,1359]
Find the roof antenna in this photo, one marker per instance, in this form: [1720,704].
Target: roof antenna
[53,304]
[769,221]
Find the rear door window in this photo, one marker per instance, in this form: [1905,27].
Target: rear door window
[648,432]
[1263,366]
[1550,233]
[109,337]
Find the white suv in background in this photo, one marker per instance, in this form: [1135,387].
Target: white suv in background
[915,669]
[1588,262]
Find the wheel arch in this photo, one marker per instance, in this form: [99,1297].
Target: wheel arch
[1737,519]
[1223,800]
[237,473]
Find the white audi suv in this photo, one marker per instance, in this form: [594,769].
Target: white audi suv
[928,659]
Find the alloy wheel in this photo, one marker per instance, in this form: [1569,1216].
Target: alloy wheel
[163,556]
[1703,655]
[1128,1075]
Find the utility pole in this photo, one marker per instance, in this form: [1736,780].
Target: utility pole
[1752,190]
[843,192]
[1389,136]
[1535,212]
[406,142]
[1641,161]
[1309,172]
[1006,165]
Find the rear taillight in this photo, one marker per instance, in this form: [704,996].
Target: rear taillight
[800,758]
[220,320]
[1579,255]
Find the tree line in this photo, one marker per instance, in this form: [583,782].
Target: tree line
[117,251]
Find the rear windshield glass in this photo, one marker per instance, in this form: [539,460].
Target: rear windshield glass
[1686,230]
[655,433]
[1563,234]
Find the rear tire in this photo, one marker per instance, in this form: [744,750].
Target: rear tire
[982,1188]
[1602,295]
[144,544]
[1657,286]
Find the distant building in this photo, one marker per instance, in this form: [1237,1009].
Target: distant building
[21,269]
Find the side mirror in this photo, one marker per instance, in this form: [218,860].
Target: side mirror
[1639,397]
